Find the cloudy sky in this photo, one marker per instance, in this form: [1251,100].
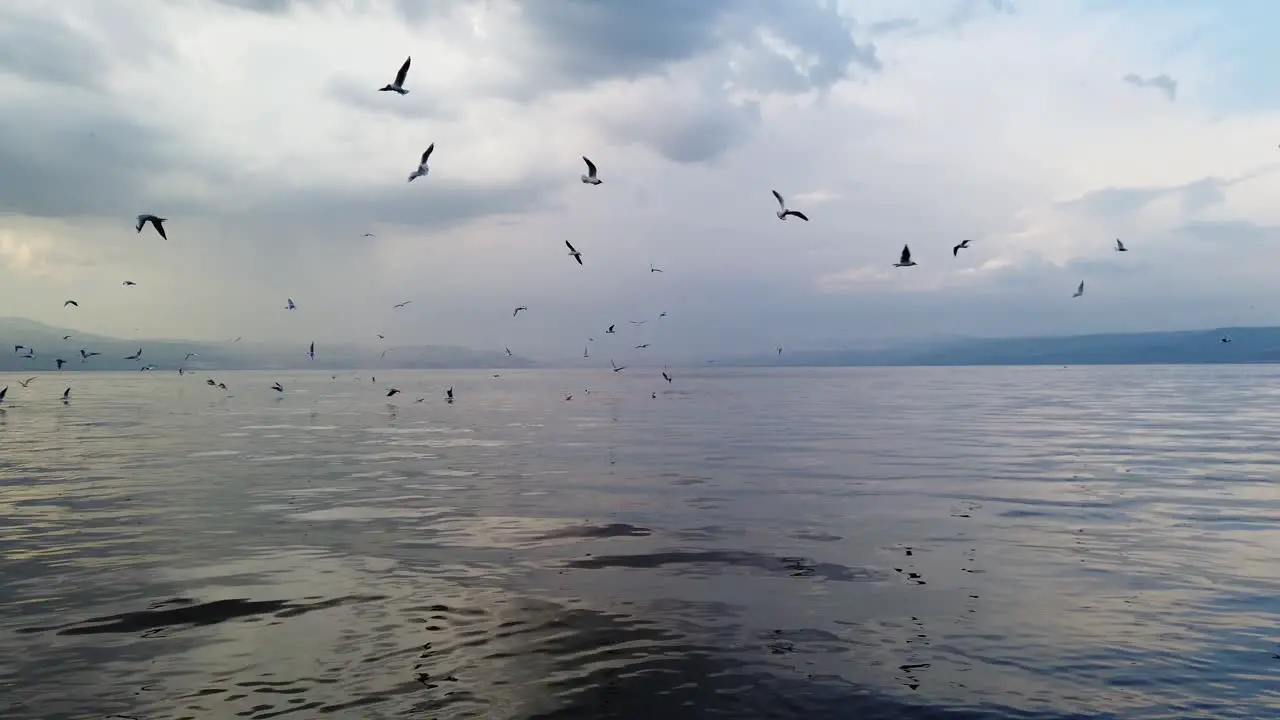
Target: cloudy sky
[1042,130]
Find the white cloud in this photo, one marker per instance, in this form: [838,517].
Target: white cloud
[273,159]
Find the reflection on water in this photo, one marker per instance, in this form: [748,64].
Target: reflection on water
[873,543]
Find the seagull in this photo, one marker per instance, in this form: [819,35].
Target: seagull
[584,351]
[1120,246]
[665,376]
[398,85]
[128,283]
[3,390]
[574,253]
[135,356]
[653,269]
[382,337]
[70,302]
[448,395]
[222,386]
[508,351]
[148,368]
[779,349]
[188,356]
[156,222]
[567,398]
[400,305]
[609,331]
[26,382]
[289,304]
[391,392]
[86,355]
[368,235]
[66,395]
[277,387]
[641,347]
[653,395]
[905,260]
[210,381]
[1226,339]
[422,164]
[31,352]
[662,314]
[590,178]
[783,212]
[60,362]
[311,351]
[18,348]
[964,245]
[66,337]
[517,311]
[616,368]
[1079,290]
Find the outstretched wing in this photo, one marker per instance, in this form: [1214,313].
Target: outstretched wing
[427,154]
[570,246]
[591,167]
[404,71]
[798,214]
[781,204]
[906,255]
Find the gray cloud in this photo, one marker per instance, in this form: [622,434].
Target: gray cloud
[1162,82]
[48,50]
[1195,196]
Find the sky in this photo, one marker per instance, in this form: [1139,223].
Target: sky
[1042,131]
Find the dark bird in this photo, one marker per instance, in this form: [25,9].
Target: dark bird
[222,386]
[590,178]
[400,305]
[964,245]
[66,337]
[277,387]
[288,305]
[905,260]
[86,355]
[517,310]
[779,349]
[662,314]
[128,283]
[508,351]
[783,212]
[1079,290]
[3,390]
[135,356]
[653,395]
[567,398]
[391,392]
[584,351]
[398,85]
[653,269]
[60,362]
[665,376]
[574,253]
[26,382]
[156,222]
[641,347]
[1120,246]
[210,381]
[369,235]
[616,367]
[448,394]
[311,351]
[66,395]
[70,302]
[422,164]
[382,337]
[1226,339]
[609,331]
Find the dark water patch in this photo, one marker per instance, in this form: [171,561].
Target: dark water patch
[793,566]
[597,531]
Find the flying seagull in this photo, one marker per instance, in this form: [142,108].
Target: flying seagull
[60,362]
[3,390]
[66,337]
[156,222]
[642,347]
[422,164]
[400,305]
[964,245]
[905,260]
[289,304]
[135,356]
[1079,290]
[66,395]
[616,367]
[1120,246]
[609,331]
[391,392]
[662,314]
[783,212]
[584,351]
[86,355]
[779,349]
[508,351]
[277,387]
[311,351]
[517,311]
[70,302]
[188,356]
[590,178]
[665,376]
[368,235]
[1226,339]
[653,269]
[574,253]
[448,394]
[128,283]
[26,382]
[398,85]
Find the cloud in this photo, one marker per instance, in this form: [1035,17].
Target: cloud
[967,119]
[1162,82]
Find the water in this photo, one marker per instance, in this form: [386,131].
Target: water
[864,543]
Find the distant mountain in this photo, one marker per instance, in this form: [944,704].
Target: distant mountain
[49,345]
[1248,345]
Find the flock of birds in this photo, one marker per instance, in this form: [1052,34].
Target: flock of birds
[591,177]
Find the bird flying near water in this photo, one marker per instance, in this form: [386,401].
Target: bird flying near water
[311,351]
[26,382]
[783,212]
[590,178]
[398,85]
[616,367]
[422,164]
[156,222]
[277,387]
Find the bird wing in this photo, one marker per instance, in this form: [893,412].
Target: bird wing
[906,254]
[781,204]
[155,223]
[570,246]
[956,250]
[142,220]
[798,214]
[427,154]
[591,167]
[404,71]
[578,258]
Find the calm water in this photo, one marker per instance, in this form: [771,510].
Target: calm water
[867,543]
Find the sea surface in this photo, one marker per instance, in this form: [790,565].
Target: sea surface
[957,543]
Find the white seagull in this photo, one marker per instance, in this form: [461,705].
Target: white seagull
[1079,290]
[964,245]
[905,260]
[422,165]
[573,253]
[156,222]
[398,85]
[590,178]
[783,212]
